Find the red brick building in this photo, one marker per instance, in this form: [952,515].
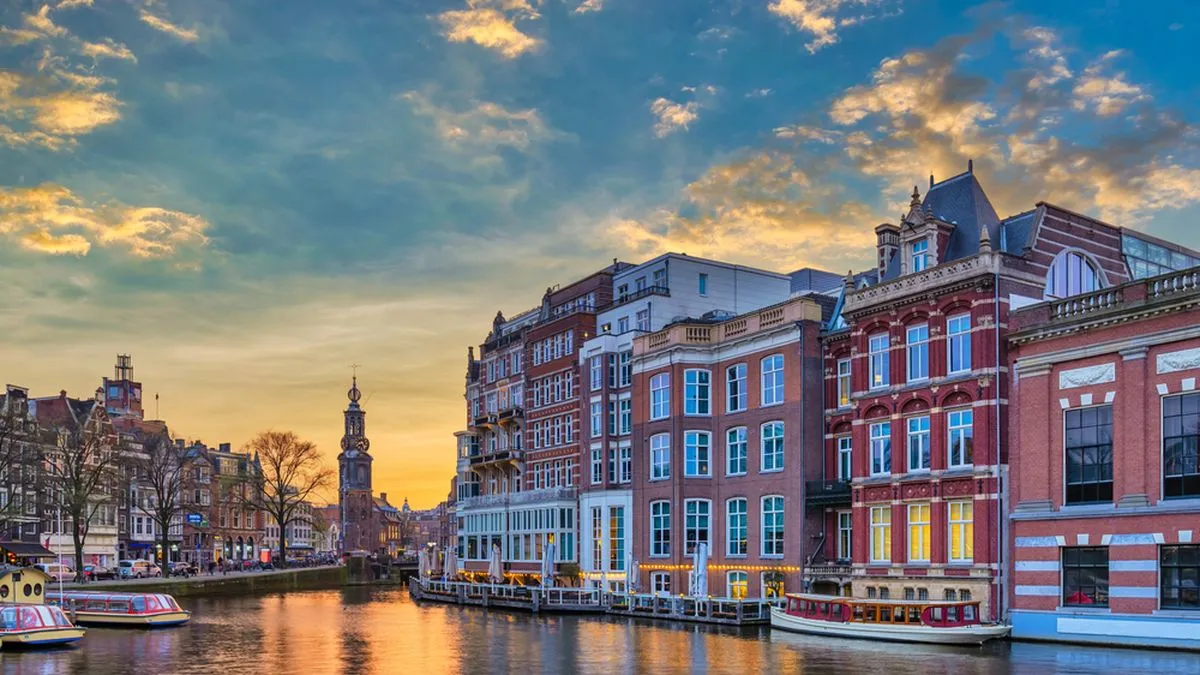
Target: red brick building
[722,412]
[1105,481]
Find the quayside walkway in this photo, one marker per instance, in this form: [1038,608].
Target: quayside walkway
[728,611]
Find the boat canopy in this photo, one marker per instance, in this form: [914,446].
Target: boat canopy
[28,617]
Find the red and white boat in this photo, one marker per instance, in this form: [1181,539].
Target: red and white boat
[148,610]
[951,623]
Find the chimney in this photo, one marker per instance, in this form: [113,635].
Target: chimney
[887,243]
[224,447]
[383,496]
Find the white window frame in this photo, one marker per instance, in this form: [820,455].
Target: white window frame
[597,419]
[916,536]
[960,524]
[697,392]
[763,525]
[736,395]
[916,352]
[737,521]
[880,434]
[844,389]
[660,522]
[624,417]
[845,457]
[697,456]
[660,457]
[691,534]
[597,466]
[596,371]
[777,462]
[881,526]
[845,540]
[737,465]
[879,359]
[734,580]
[660,396]
[772,380]
[958,429]
[917,442]
[958,340]
[919,254]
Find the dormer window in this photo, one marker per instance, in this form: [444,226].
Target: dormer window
[920,255]
[1072,274]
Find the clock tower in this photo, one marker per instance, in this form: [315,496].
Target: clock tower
[354,479]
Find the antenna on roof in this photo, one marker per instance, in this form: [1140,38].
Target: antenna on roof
[931,181]
[970,166]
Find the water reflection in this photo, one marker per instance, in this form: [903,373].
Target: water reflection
[372,631]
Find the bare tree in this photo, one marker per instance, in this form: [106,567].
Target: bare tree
[291,471]
[164,468]
[81,471]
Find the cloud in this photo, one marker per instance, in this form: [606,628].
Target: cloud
[160,24]
[1108,94]
[803,132]
[822,18]
[41,22]
[672,116]
[758,93]
[51,218]
[53,108]
[589,6]
[491,24]
[1044,46]
[69,4]
[108,48]
[483,124]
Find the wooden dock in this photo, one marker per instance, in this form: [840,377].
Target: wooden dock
[727,611]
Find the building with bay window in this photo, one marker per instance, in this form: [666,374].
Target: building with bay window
[722,411]
[1105,482]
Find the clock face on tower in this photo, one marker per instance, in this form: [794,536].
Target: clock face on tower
[362,444]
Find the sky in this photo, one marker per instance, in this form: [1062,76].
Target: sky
[249,196]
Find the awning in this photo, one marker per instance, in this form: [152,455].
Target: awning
[26,549]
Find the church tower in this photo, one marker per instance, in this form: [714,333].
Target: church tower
[354,479]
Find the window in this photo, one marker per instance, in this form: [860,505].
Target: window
[625,474]
[643,320]
[597,419]
[660,456]
[736,533]
[625,361]
[735,388]
[917,349]
[696,452]
[772,447]
[597,466]
[612,371]
[625,416]
[612,418]
[920,255]
[660,528]
[596,371]
[881,448]
[737,585]
[616,538]
[660,582]
[1089,454]
[958,343]
[772,585]
[772,380]
[696,392]
[696,524]
[622,292]
[843,382]
[961,431]
[1085,576]
[639,283]
[612,465]
[918,532]
[1181,446]
[844,457]
[950,595]
[845,538]
[1179,577]
[962,531]
[735,451]
[660,396]
[918,443]
[881,534]
[877,347]
[1071,274]
[772,526]
[703,288]
[597,539]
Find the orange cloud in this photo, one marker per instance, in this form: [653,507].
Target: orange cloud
[492,24]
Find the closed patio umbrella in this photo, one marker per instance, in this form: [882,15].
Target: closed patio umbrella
[450,566]
[700,571]
[548,564]
[496,566]
[422,565]
[631,574]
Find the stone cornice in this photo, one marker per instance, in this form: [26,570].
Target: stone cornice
[938,281]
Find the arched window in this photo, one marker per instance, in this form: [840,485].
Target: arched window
[1072,273]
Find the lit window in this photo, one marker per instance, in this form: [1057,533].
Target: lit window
[772,584]
[843,383]
[881,534]
[962,531]
[918,533]
[877,345]
[738,585]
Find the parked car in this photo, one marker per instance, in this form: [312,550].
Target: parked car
[137,569]
[57,572]
[180,568]
[98,573]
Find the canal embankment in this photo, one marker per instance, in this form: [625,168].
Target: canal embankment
[233,583]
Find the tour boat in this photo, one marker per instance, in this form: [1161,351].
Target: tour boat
[151,610]
[36,626]
[954,623]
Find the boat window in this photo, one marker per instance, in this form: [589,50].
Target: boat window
[121,606]
[952,614]
[139,604]
[914,615]
[37,589]
[885,613]
[152,602]
[95,605]
[936,615]
[8,617]
[61,619]
[29,618]
[870,613]
[823,608]
[898,616]
[969,613]
[28,589]
[4,591]
[858,613]
[171,602]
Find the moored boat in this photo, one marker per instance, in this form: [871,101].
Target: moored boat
[953,623]
[150,610]
[36,626]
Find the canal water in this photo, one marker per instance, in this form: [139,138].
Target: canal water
[381,631]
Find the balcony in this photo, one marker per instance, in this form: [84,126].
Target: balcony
[517,498]
[639,294]
[511,414]
[497,457]
[828,570]
[489,420]
[697,332]
[826,492]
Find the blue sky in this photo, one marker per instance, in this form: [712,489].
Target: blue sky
[250,196]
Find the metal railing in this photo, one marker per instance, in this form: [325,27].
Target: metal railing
[686,607]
